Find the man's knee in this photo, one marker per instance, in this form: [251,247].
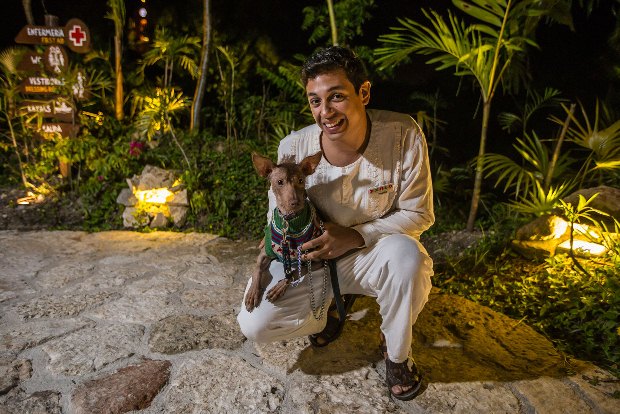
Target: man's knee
[404,252]
[252,327]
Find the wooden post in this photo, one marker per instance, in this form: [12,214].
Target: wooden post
[64,167]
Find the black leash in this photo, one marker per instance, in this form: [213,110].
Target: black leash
[333,273]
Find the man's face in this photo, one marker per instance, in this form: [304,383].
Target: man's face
[337,108]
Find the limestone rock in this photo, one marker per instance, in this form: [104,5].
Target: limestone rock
[12,372]
[130,388]
[91,349]
[535,249]
[138,309]
[178,214]
[608,199]
[18,402]
[545,227]
[361,390]
[154,177]
[126,198]
[31,334]
[129,217]
[159,220]
[183,333]
[64,274]
[217,382]
[542,237]
[541,393]
[57,306]
[473,397]
[598,385]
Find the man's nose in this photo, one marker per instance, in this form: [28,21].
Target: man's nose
[326,108]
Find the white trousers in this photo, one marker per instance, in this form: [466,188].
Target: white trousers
[396,270]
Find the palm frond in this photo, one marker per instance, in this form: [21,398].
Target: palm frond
[539,202]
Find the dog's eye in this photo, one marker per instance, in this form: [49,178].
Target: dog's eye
[280,182]
[301,181]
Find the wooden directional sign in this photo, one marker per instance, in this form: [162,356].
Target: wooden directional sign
[56,108]
[54,59]
[41,85]
[55,130]
[75,35]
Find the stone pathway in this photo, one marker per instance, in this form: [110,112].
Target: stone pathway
[118,321]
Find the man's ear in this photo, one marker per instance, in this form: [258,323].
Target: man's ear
[309,164]
[365,92]
[264,166]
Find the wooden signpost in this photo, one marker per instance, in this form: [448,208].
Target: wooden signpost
[46,77]
[75,35]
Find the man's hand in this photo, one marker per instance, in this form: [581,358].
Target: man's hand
[335,241]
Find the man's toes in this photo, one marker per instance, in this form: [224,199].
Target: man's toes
[399,389]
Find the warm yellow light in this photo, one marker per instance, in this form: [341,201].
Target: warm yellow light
[559,227]
[585,247]
[154,196]
[30,198]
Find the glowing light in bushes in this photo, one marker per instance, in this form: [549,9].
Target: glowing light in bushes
[154,196]
[584,247]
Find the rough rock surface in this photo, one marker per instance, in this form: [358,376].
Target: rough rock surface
[120,321]
[131,388]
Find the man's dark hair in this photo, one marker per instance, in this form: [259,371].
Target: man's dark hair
[333,58]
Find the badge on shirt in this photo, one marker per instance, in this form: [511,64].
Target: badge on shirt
[382,189]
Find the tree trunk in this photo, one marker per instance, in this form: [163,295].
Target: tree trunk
[475,199]
[28,11]
[332,22]
[118,69]
[204,62]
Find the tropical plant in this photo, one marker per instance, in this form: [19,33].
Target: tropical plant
[169,50]
[157,112]
[492,51]
[430,123]
[346,18]
[534,102]
[523,176]
[600,136]
[579,214]
[9,83]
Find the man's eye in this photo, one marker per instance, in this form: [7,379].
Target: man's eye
[315,102]
[337,97]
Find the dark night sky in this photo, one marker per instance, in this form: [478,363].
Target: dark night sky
[573,62]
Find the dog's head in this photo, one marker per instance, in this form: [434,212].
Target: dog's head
[288,180]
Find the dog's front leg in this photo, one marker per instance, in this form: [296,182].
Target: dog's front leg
[254,295]
[278,290]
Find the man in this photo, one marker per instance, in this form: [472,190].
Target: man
[373,188]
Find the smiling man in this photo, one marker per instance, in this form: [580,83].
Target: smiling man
[373,189]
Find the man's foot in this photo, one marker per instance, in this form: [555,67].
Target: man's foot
[403,378]
[334,325]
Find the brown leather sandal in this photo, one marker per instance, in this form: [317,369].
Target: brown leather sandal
[334,325]
[404,374]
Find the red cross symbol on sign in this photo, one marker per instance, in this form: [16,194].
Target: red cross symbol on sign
[77,36]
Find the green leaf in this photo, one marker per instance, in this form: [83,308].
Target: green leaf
[478,13]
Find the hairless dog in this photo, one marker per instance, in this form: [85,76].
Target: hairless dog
[294,221]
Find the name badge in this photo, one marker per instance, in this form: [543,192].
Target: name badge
[382,189]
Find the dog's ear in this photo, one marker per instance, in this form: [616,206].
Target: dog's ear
[309,164]
[264,166]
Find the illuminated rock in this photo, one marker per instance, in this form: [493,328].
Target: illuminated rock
[155,198]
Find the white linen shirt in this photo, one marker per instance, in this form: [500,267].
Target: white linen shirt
[387,190]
